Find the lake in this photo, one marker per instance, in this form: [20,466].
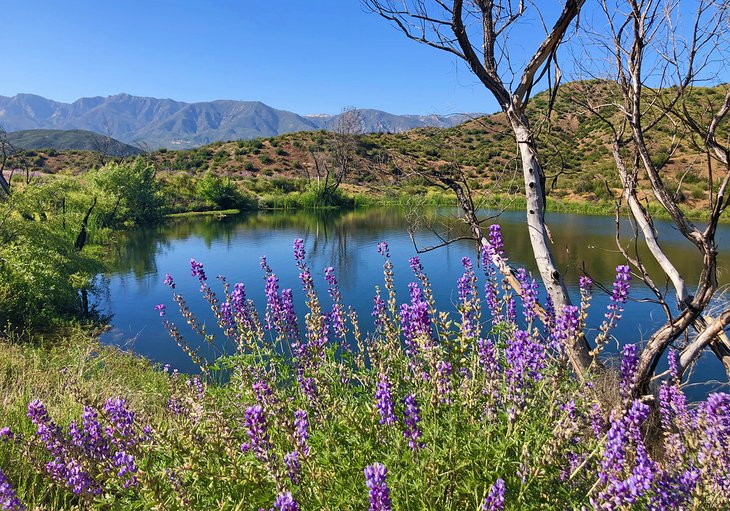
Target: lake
[347,241]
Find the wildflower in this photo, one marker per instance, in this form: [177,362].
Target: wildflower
[160,307]
[384,400]
[285,502]
[411,418]
[293,466]
[337,318]
[628,370]
[6,434]
[494,501]
[567,326]
[168,281]
[528,294]
[301,431]
[255,423]
[9,500]
[443,381]
[196,269]
[615,306]
[383,249]
[299,252]
[375,476]
[495,240]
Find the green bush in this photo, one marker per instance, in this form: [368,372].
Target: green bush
[222,193]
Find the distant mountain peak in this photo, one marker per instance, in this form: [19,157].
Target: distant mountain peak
[174,124]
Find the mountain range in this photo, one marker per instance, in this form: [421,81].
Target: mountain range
[156,123]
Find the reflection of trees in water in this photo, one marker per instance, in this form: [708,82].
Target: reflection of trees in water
[336,238]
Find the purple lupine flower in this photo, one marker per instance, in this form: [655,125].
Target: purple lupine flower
[95,442]
[549,316]
[622,431]
[525,361]
[414,317]
[299,252]
[629,363]
[337,316]
[379,493]
[585,283]
[411,418]
[241,309]
[9,500]
[528,294]
[673,365]
[488,358]
[615,307]
[273,302]
[494,501]
[469,307]
[293,466]
[126,467]
[378,309]
[491,287]
[290,315]
[495,239]
[567,325]
[47,430]
[168,281]
[301,431]
[122,431]
[255,424]
[6,434]
[415,264]
[196,270]
[160,307]
[714,452]
[598,425]
[383,249]
[443,381]
[285,502]
[384,400]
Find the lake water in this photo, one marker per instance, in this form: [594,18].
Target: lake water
[347,241]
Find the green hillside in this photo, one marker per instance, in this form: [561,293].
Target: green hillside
[63,140]
[574,146]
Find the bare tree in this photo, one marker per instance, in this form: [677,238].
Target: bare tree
[480,33]
[336,159]
[658,63]
[13,159]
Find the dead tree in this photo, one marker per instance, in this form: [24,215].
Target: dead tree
[646,43]
[337,158]
[479,33]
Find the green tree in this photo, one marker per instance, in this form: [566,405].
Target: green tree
[133,192]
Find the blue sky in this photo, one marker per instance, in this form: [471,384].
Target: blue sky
[309,57]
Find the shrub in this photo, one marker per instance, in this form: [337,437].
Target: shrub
[222,193]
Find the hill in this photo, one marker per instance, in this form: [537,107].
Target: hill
[574,146]
[64,140]
[177,125]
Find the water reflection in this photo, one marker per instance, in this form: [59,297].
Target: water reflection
[347,241]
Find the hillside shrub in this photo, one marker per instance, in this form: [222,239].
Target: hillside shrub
[222,193]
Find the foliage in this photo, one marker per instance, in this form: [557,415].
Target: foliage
[133,192]
[424,412]
[222,193]
[41,272]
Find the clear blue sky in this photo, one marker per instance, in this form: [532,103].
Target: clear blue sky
[306,56]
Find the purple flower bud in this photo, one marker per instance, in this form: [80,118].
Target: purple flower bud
[375,480]
[494,501]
